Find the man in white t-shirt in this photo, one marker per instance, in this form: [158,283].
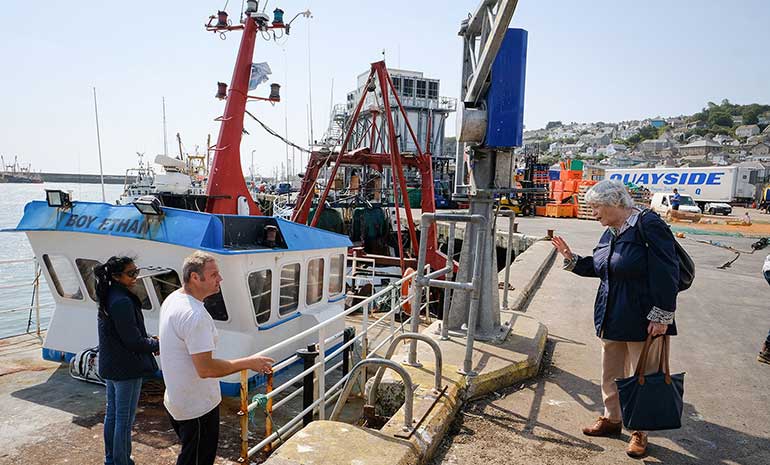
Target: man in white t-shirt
[187,340]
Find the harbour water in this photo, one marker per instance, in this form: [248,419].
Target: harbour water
[14,246]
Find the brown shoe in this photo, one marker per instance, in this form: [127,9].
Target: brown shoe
[603,427]
[764,354]
[637,446]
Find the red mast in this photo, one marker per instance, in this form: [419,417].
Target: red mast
[226,185]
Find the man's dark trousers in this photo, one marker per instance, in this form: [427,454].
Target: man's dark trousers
[199,437]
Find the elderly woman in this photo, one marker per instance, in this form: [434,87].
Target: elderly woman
[636,297]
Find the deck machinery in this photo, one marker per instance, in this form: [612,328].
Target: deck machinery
[375,152]
[490,125]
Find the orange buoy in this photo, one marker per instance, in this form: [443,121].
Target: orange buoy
[405,285]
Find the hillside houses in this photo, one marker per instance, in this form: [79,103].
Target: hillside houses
[673,141]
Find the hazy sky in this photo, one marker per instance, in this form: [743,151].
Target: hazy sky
[587,61]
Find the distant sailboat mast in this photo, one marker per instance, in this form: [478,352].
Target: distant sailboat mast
[99,146]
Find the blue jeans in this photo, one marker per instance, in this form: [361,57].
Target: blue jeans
[122,399]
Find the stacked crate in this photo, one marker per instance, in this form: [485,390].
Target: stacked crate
[584,212]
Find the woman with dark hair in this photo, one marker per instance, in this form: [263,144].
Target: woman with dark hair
[125,353]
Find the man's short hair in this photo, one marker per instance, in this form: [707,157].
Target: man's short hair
[195,264]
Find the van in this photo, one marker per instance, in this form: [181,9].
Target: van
[688,209]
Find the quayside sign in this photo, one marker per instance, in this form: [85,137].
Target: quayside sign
[663,178]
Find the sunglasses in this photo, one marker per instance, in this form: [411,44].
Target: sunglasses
[132,273]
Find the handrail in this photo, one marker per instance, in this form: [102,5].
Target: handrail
[392,348]
[408,388]
[339,316]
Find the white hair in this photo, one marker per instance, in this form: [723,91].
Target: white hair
[610,192]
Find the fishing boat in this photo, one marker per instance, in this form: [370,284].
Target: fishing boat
[280,277]
[181,184]
[17,173]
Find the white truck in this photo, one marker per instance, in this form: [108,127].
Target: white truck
[715,184]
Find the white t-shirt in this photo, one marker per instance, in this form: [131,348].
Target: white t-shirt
[186,328]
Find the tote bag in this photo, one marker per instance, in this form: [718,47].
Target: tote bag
[652,402]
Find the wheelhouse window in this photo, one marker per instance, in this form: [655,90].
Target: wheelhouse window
[215,305]
[165,283]
[408,87]
[315,281]
[289,296]
[336,273]
[86,269]
[260,288]
[421,88]
[63,276]
[432,89]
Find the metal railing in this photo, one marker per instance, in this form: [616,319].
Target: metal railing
[316,372]
[35,303]
[430,280]
[316,396]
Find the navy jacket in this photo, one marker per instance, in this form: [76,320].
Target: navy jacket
[634,278]
[125,351]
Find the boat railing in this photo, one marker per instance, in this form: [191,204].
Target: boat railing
[317,397]
[35,306]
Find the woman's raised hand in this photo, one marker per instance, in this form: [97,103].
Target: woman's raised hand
[562,247]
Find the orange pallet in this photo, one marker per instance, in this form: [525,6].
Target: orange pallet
[539,210]
[556,210]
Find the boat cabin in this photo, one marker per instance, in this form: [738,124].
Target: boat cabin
[279,277]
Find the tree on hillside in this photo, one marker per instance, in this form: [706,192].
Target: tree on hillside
[720,118]
[751,114]
[553,124]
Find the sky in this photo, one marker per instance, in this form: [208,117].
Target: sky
[604,60]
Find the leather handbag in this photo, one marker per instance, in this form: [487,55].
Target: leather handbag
[686,265]
[652,402]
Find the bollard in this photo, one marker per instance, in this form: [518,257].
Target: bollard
[550,234]
[347,336]
[308,360]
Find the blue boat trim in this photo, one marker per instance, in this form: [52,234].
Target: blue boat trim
[227,388]
[279,322]
[186,228]
[57,355]
[337,299]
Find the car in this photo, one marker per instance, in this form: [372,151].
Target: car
[688,210]
[283,188]
[718,208]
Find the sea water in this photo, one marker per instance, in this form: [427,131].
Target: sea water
[14,246]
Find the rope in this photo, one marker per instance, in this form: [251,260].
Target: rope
[275,134]
[261,401]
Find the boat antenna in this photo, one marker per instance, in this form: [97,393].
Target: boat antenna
[286,116]
[310,88]
[99,146]
[165,136]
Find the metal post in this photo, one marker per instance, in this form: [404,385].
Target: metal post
[475,296]
[308,360]
[414,321]
[243,413]
[394,292]
[347,335]
[269,411]
[447,291]
[511,219]
[321,373]
[37,296]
